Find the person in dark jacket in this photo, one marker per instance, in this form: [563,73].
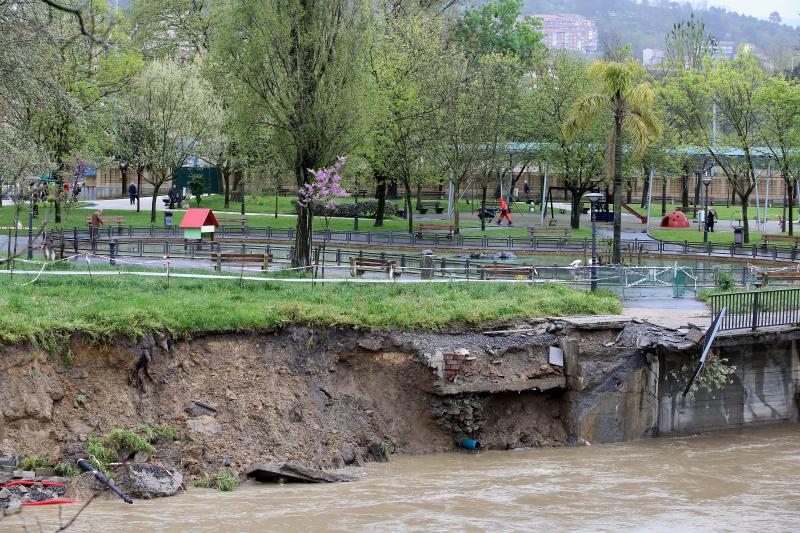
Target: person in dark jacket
[132,193]
[710,220]
[173,196]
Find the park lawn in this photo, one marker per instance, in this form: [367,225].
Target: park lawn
[723,213]
[103,307]
[694,236]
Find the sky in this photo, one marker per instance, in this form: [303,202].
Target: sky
[788,9]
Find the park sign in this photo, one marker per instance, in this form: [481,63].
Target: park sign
[198,222]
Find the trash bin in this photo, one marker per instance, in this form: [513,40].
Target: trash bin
[738,236]
[167,219]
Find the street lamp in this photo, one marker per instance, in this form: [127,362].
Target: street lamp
[706,182]
[355,207]
[594,197]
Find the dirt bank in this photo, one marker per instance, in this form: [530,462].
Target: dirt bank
[322,398]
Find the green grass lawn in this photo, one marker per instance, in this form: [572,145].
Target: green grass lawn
[105,306]
[723,213]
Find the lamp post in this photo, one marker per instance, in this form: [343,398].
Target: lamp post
[355,200]
[593,198]
[706,183]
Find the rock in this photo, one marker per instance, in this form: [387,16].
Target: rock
[71,452]
[226,460]
[376,452]
[193,453]
[348,452]
[293,473]
[204,424]
[22,489]
[145,480]
[5,494]
[24,475]
[84,486]
[141,457]
[11,461]
[371,343]
[197,408]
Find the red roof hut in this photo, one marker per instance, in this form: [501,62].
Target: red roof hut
[198,222]
[674,219]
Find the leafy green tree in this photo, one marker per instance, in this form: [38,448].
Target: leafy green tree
[499,27]
[177,107]
[629,100]
[779,103]
[301,66]
[171,28]
[197,186]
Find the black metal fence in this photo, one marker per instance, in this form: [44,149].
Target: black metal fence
[633,249]
[757,309]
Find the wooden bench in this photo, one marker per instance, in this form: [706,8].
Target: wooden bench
[116,222]
[284,191]
[238,258]
[423,228]
[763,278]
[535,232]
[359,265]
[789,239]
[507,271]
[690,210]
[423,207]
[232,220]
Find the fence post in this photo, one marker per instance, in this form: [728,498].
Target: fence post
[112,252]
[756,303]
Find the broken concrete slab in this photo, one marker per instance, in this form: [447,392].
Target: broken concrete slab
[291,472]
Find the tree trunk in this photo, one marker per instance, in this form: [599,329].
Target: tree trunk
[138,188]
[617,251]
[791,189]
[124,174]
[153,206]
[380,193]
[409,207]
[733,196]
[575,215]
[226,185]
[663,196]
[685,189]
[456,210]
[483,206]
[419,196]
[745,222]
[697,191]
[303,238]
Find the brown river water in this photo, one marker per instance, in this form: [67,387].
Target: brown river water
[743,480]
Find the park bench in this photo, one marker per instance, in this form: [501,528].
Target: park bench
[114,221]
[764,278]
[359,265]
[425,228]
[284,191]
[689,211]
[240,259]
[232,220]
[554,230]
[423,207]
[781,239]
[507,271]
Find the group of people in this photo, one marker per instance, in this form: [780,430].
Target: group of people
[173,194]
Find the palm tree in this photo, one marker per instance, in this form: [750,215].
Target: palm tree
[630,101]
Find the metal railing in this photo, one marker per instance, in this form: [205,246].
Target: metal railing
[633,249]
[756,309]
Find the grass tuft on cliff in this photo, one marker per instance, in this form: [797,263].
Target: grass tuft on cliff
[104,307]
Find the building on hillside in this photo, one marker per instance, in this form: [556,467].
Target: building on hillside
[653,56]
[564,31]
[726,49]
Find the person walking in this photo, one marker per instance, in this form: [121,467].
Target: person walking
[95,223]
[173,196]
[503,212]
[527,190]
[710,220]
[132,193]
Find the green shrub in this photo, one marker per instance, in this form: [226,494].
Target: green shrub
[226,481]
[100,454]
[79,400]
[206,482]
[153,432]
[64,470]
[32,463]
[725,280]
[125,439]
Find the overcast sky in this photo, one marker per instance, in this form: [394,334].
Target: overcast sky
[788,9]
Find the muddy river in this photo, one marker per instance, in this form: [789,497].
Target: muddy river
[734,480]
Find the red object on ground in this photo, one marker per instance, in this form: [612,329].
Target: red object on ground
[28,482]
[197,217]
[49,502]
[675,219]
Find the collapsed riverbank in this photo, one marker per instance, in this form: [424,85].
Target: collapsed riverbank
[327,398]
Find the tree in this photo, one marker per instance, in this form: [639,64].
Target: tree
[778,101]
[775,17]
[197,186]
[630,101]
[301,65]
[171,28]
[176,107]
[498,27]
[561,81]
[688,44]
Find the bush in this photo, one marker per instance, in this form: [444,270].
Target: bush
[100,454]
[32,463]
[64,470]
[125,439]
[725,280]
[224,481]
[152,433]
[367,208]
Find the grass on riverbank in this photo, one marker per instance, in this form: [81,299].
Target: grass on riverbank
[105,307]
[694,236]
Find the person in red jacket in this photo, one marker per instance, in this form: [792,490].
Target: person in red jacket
[503,212]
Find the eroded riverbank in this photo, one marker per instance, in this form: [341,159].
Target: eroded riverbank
[728,480]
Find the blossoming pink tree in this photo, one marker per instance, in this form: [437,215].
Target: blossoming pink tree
[323,190]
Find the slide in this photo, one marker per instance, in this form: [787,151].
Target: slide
[634,212]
